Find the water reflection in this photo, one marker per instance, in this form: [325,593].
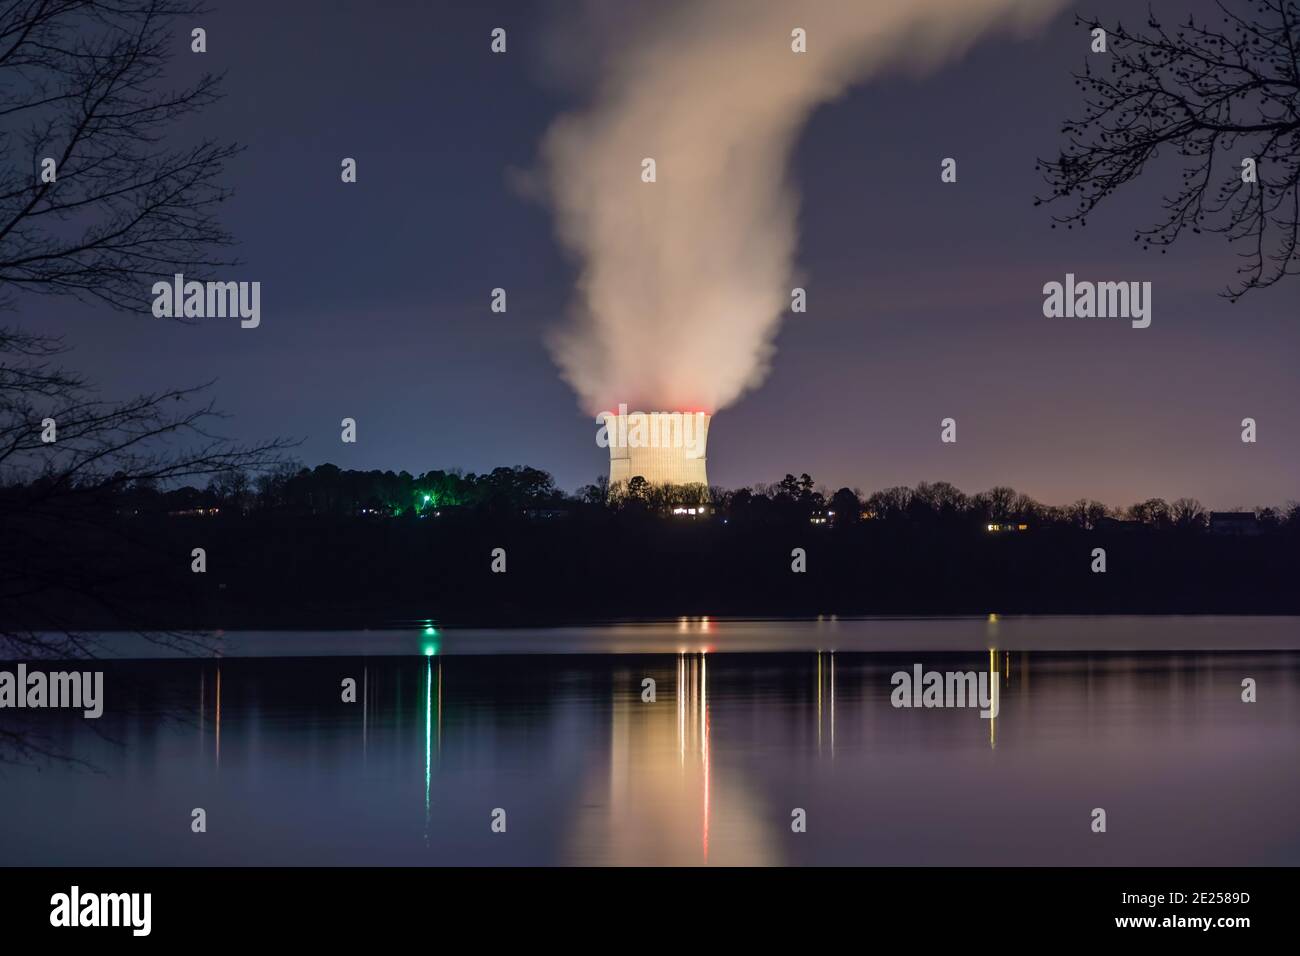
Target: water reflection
[654,804]
[202,712]
[217,721]
[708,773]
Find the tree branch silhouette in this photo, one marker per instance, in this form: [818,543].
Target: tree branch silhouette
[82,83]
[85,83]
[1214,95]
[62,541]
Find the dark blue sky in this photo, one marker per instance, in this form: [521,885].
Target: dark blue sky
[924,299]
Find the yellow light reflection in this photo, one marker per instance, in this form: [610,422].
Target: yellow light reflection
[652,805]
[993,676]
[681,708]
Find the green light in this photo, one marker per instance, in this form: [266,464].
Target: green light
[429,646]
[426,499]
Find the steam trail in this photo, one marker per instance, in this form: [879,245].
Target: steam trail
[684,281]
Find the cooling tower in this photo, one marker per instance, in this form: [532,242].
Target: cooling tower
[664,448]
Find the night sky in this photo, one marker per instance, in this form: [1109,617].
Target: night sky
[925,299]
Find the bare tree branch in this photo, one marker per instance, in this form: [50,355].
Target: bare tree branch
[82,83]
[1214,95]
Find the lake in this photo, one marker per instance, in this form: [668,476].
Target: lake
[754,725]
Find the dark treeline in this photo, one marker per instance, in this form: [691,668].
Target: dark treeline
[325,547]
[327,490]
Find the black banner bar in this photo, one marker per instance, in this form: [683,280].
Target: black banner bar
[333,906]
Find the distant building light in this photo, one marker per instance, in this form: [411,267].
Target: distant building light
[189,512]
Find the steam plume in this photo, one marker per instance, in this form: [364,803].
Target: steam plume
[683,281]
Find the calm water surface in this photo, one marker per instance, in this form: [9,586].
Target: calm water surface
[750,720]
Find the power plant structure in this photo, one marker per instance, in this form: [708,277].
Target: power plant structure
[664,448]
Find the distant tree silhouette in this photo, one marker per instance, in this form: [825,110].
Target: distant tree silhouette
[1085,513]
[941,497]
[998,504]
[847,507]
[889,503]
[596,493]
[1153,512]
[233,486]
[1216,95]
[1188,513]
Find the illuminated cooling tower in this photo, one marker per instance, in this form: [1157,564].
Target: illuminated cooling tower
[664,448]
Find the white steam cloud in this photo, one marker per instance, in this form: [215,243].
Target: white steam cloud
[684,281]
